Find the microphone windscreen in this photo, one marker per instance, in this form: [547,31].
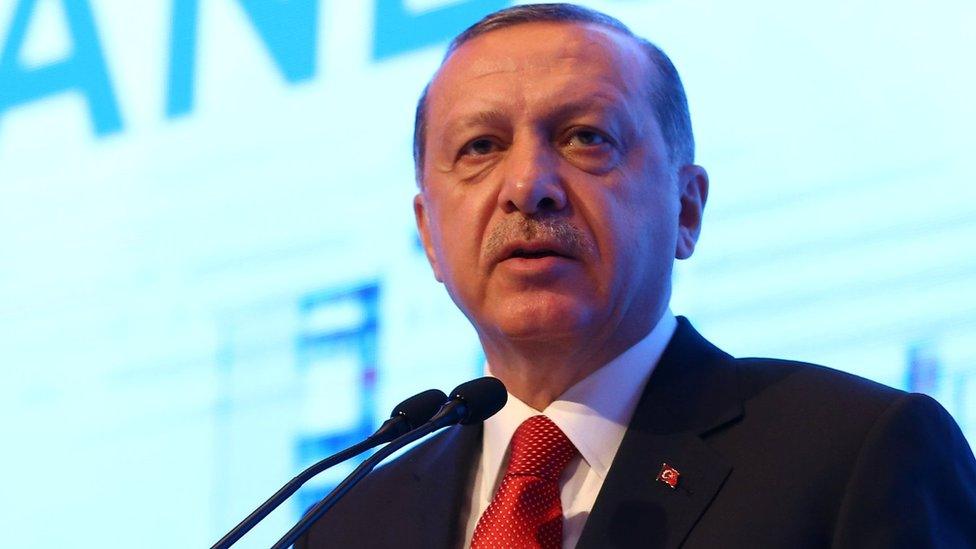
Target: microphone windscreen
[419,408]
[483,397]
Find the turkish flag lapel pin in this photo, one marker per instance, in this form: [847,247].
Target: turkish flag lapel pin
[668,475]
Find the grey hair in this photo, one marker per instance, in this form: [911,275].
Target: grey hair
[667,93]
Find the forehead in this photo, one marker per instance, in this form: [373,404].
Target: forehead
[567,56]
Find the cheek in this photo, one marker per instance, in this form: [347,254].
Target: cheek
[643,230]
[458,235]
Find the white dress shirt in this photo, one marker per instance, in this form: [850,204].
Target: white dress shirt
[593,414]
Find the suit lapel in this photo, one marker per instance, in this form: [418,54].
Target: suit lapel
[442,477]
[692,391]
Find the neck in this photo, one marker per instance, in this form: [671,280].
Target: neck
[537,378]
[538,370]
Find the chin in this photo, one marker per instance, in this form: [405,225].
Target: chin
[542,318]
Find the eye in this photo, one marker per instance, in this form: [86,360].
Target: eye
[586,137]
[478,147]
[590,149]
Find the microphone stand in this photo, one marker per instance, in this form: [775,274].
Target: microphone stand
[288,489]
[420,407]
[443,419]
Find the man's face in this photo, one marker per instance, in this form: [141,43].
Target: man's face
[549,206]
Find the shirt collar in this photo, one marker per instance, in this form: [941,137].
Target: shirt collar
[594,413]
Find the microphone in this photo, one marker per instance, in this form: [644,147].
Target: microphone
[471,402]
[406,416]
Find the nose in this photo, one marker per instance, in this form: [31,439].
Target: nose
[531,183]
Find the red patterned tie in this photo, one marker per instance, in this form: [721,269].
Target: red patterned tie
[526,512]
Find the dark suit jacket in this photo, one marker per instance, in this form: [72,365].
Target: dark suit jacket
[770,454]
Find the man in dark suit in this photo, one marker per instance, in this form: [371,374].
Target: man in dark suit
[556,167]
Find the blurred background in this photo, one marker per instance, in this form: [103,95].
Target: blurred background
[210,276]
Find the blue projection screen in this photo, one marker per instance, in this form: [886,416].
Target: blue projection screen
[210,276]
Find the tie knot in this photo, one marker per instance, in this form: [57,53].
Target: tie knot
[541,449]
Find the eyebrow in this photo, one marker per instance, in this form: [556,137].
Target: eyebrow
[603,102]
[490,117]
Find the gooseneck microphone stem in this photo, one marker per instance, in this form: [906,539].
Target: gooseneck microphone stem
[449,414]
[407,415]
[290,488]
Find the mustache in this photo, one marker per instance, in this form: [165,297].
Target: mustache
[570,238]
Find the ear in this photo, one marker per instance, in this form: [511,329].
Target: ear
[693,186]
[423,227]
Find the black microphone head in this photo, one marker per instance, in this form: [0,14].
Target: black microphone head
[483,397]
[419,408]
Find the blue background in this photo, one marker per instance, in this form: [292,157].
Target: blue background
[209,275]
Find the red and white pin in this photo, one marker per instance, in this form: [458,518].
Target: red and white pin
[668,475]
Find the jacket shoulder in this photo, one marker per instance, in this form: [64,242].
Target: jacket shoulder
[795,384]
[826,458]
